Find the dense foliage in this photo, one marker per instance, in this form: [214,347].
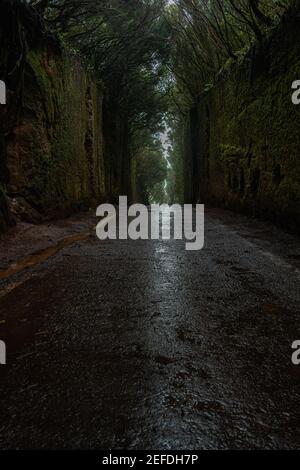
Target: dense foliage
[155,57]
[211,32]
[209,36]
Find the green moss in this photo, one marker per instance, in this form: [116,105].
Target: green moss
[248,138]
[230,154]
[46,74]
[65,112]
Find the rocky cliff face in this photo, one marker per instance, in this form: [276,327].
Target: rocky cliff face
[57,153]
[54,154]
[242,139]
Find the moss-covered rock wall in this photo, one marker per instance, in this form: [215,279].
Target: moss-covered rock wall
[62,144]
[54,152]
[243,139]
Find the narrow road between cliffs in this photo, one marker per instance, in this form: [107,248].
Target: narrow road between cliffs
[143,345]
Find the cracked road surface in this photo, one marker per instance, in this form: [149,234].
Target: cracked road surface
[143,345]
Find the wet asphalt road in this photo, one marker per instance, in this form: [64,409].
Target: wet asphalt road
[142,345]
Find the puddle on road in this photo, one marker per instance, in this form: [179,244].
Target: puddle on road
[41,255]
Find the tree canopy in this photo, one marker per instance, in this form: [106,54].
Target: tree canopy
[155,57]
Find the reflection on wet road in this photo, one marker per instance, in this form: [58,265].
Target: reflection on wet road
[143,345]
